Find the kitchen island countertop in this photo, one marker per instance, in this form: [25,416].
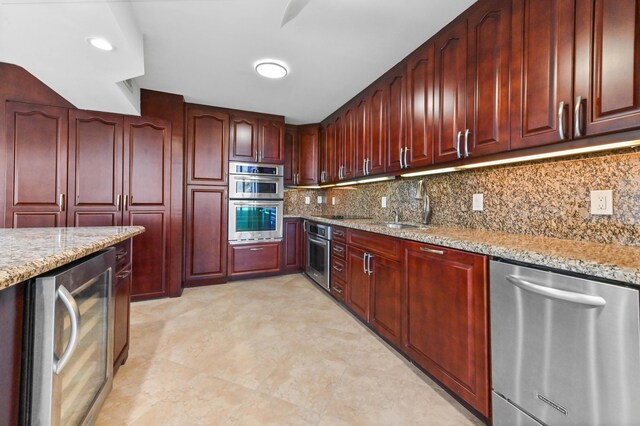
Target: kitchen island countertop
[609,261]
[29,252]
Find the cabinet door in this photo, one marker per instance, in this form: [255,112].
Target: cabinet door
[247,259]
[121,304]
[271,149]
[95,169]
[386,314]
[607,69]
[377,152]
[361,143]
[349,140]
[308,154]
[147,163]
[542,67]
[323,156]
[12,307]
[420,70]
[207,146]
[450,95]
[290,154]
[243,139]
[331,161]
[292,246]
[36,165]
[445,319]
[489,50]
[339,155]
[358,288]
[206,227]
[396,104]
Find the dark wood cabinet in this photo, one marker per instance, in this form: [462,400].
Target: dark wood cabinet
[395,86]
[330,153]
[323,155]
[339,148]
[36,172]
[206,235]
[271,141]
[378,119]
[385,310]
[250,259]
[243,138]
[12,305]
[121,302]
[207,145]
[308,137]
[347,154]
[361,140]
[292,246]
[358,283]
[420,98]
[291,155]
[445,318]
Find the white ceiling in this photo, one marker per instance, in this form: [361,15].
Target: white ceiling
[206,49]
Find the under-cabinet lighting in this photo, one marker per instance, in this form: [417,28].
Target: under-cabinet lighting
[377,179]
[533,157]
[351,182]
[307,187]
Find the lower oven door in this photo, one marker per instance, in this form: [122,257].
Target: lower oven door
[318,252]
[255,220]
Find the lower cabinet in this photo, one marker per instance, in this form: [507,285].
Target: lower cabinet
[445,318]
[292,246]
[358,283]
[121,301]
[12,304]
[385,308]
[249,259]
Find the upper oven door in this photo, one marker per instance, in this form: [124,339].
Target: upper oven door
[255,169]
[256,187]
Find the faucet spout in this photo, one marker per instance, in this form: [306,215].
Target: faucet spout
[396,217]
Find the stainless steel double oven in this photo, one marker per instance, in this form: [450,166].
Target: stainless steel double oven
[255,202]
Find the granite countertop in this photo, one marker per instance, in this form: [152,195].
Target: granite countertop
[28,252]
[609,261]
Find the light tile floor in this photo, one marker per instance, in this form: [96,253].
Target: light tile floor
[271,351]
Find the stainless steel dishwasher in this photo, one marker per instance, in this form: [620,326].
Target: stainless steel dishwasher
[565,350]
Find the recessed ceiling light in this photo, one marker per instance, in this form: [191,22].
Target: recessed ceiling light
[270,69]
[100,43]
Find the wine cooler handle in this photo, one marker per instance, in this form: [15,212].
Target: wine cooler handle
[74,314]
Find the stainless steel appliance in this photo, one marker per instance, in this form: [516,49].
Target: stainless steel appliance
[256,181]
[565,350]
[318,252]
[72,342]
[253,220]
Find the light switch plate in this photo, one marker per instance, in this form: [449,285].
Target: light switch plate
[333,201]
[478,202]
[320,199]
[307,200]
[384,202]
[602,202]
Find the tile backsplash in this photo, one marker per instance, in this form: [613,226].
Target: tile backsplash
[550,199]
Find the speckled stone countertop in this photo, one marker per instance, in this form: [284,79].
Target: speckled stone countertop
[28,252]
[609,261]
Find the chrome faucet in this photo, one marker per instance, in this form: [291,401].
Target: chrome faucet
[421,194]
[396,217]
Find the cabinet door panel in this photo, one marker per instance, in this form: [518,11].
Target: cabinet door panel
[121,317]
[291,154]
[420,70]
[378,127]
[489,48]
[331,161]
[308,154]
[254,258]
[36,164]
[206,256]
[95,169]
[339,155]
[292,246]
[396,104]
[358,288]
[349,140]
[608,65]
[271,142]
[386,287]
[451,70]
[149,254]
[207,146]
[243,139]
[361,144]
[542,68]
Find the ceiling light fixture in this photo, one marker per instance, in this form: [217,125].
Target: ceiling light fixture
[100,43]
[271,69]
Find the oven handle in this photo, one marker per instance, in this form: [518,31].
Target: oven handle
[275,179]
[319,242]
[256,203]
[554,293]
[74,314]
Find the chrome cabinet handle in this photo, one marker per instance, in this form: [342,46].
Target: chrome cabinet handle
[466,143]
[337,289]
[338,233]
[259,156]
[576,118]
[126,202]
[61,202]
[338,250]
[554,293]
[364,262]
[256,155]
[369,271]
[124,275]
[118,198]
[74,315]
[324,176]
[121,254]
[458,144]
[256,249]
[337,269]
[368,162]
[561,121]
[429,250]
[401,154]
[364,167]
[406,165]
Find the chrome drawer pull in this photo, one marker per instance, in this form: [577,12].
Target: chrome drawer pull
[121,254]
[337,269]
[337,290]
[338,249]
[561,120]
[124,275]
[338,233]
[577,130]
[429,250]
[256,249]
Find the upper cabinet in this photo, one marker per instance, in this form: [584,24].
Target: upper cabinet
[290,154]
[208,145]
[301,154]
[256,140]
[395,88]
[420,87]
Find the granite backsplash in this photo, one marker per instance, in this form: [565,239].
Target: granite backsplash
[549,199]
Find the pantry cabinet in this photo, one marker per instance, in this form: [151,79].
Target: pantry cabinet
[207,145]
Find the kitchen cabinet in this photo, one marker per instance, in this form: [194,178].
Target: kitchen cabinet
[395,87]
[291,155]
[339,155]
[36,186]
[358,283]
[377,140]
[420,98]
[329,161]
[347,154]
[207,145]
[301,155]
[206,235]
[292,246]
[445,318]
[251,259]
[12,306]
[385,307]
[323,155]
[361,140]
[121,302]
[256,140]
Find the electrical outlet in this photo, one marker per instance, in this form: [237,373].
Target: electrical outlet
[478,202]
[384,202]
[307,200]
[333,201]
[602,202]
[320,199]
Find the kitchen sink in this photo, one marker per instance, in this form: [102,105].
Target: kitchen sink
[400,225]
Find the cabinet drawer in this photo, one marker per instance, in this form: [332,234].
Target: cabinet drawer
[388,247]
[338,268]
[123,254]
[337,289]
[251,258]
[339,234]
[338,250]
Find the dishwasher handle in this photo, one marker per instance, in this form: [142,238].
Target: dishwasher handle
[554,293]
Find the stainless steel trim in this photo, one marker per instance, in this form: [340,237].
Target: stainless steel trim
[369,271]
[458,144]
[430,250]
[561,120]
[554,293]
[466,143]
[406,165]
[74,316]
[118,199]
[401,152]
[576,118]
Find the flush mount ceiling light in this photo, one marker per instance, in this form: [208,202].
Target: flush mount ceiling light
[100,43]
[271,69]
